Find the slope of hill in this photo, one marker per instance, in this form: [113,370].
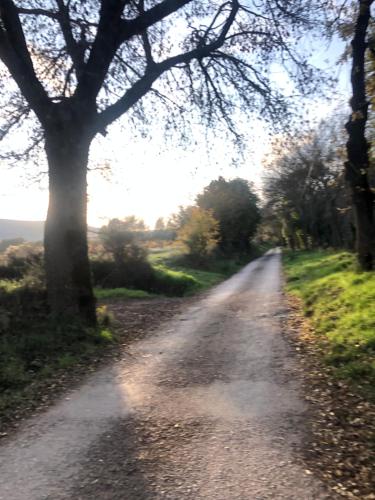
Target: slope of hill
[29,230]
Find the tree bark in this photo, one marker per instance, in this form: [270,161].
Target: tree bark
[357,165]
[69,286]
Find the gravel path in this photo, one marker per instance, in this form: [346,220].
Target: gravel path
[207,408]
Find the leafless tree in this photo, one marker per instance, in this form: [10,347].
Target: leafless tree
[304,188]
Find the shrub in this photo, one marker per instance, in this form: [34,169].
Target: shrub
[24,261]
[128,265]
[174,283]
[134,272]
[200,234]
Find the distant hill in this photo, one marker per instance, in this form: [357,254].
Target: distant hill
[28,230]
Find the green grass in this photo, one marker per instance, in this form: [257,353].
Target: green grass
[34,348]
[175,275]
[340,301]
[9,285]
[166,255]
[174,262]
[37,351]
[121,293]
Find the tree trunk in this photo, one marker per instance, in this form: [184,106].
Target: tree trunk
[69,286]
[356,168]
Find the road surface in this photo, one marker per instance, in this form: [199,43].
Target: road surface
[208,408]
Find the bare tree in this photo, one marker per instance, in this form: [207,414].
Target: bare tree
[305,189]
[80,65]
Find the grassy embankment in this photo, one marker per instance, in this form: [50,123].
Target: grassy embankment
[340,302]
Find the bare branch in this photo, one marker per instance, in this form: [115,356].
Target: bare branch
[14,53]
[38,12]
[112,32]
[74,49]
[144,84]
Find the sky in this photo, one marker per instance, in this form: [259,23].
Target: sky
[150,178]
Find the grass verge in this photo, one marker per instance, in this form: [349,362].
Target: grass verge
[172,265]
[339,301]
[121,293]
[34,348]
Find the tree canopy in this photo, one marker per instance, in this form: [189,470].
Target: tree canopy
[235,205]
[200,234]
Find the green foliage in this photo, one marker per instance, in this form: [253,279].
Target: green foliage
[235,205]
[168,255]
[175,283]
[134,272]
[119,236]
[200,234]
[340,302]
[215,269]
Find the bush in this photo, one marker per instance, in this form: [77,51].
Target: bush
[174,283]
[200,234]
[134,272]
[24,261]
[128,265]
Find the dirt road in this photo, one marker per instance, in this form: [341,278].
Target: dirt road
[209,408]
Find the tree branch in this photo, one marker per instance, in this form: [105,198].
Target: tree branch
[144,84]
[37,12]
[73,48]
[112,32]
[15,55]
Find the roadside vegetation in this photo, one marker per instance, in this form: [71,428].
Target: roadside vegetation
[339,301]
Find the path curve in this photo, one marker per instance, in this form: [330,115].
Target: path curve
[207,408]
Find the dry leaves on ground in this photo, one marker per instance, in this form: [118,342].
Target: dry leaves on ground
[341,444]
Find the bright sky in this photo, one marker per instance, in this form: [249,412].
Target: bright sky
[148,178]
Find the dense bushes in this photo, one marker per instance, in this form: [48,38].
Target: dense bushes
[141,275]
[124,263]
[133,273]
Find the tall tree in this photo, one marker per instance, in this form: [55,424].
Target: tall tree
[234,204]
[357,165]
[80,65]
